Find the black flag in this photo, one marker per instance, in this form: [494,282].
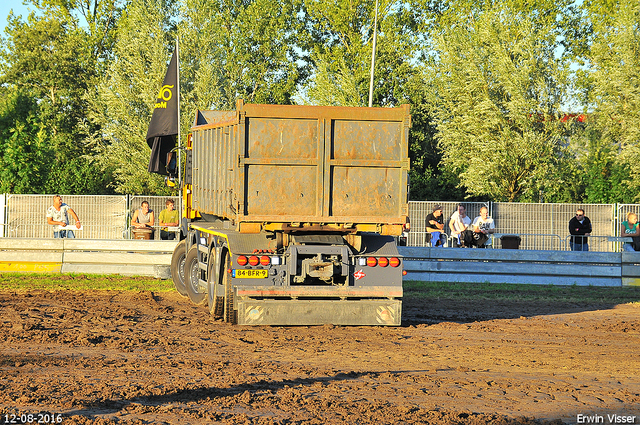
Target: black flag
[163,128]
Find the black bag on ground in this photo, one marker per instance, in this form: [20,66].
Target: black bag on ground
[471,238]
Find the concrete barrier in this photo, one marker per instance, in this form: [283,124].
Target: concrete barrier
[94,256]
[522,266]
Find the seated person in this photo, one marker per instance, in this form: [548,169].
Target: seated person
[143,218]
[434,224]
[458,223]
[630,228]
[168,218]
[480,233]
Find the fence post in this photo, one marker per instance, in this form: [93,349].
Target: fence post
[3,215]
[126,217]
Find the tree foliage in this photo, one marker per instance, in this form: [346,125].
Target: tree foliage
[499,89]
[46,70]
[615,94]
[491,84]
[122,103]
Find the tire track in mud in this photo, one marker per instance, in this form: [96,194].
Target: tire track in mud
[107,357]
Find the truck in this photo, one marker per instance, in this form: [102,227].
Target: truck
[291,214]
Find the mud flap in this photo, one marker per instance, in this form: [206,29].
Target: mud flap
[379,312]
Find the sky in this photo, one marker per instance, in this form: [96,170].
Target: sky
[18,9]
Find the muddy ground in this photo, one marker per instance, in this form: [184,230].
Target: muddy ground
[105,357]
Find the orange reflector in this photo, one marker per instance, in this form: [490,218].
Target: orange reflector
[383,262]
[242,260]
[254,261]
[372,262]
[404,272]
[265,261]
[394,262]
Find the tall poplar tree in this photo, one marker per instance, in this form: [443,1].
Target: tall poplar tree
[499,87]
[123,102]
[614,57]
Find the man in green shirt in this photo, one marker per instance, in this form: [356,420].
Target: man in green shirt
[168,217]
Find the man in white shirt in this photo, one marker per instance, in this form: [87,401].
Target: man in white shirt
[483,227]
[459,222]
[58,217]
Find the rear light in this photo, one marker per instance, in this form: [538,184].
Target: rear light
[404,272]
[383,262]
[254,261]
[265,261]
[394,262]
[242,260]
[372,262]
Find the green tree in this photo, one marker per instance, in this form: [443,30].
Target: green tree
[498,93]
[25,149]
[52,60]
[341,35]
[45,60]
[122,104]
[615,85]
[254,56]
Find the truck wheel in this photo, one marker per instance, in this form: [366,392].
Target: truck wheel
[177,268]
[215,292]
[229,300]
[192,276]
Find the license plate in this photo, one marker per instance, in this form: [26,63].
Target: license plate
[251,274]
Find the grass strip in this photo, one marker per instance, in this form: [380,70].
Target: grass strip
[413,289]
[82,282]
[521,292]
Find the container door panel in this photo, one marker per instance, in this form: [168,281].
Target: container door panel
[282,138]
[275,190]
[370,140]
[366,169]
[365,192]
[283,175]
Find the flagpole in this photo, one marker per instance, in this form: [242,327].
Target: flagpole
[373,55]
[179,163]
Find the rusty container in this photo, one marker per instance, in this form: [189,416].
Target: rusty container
[301,164]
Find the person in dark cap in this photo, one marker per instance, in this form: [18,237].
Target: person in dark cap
[434,224]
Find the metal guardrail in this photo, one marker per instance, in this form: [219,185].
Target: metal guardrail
[125,257]
[521,266]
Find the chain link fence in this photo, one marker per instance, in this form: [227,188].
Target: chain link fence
[540,226]
[156,204]
[553,220]
[102,216]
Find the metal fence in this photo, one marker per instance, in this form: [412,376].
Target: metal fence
[102,216]
[156,204]
[540,226]
[418,212]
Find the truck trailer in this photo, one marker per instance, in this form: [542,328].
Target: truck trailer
[291,214]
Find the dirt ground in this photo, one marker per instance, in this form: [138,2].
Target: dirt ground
[117,357]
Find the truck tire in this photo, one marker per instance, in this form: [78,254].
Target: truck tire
[229,299]
[192,276]
[215,291]
[177,268]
